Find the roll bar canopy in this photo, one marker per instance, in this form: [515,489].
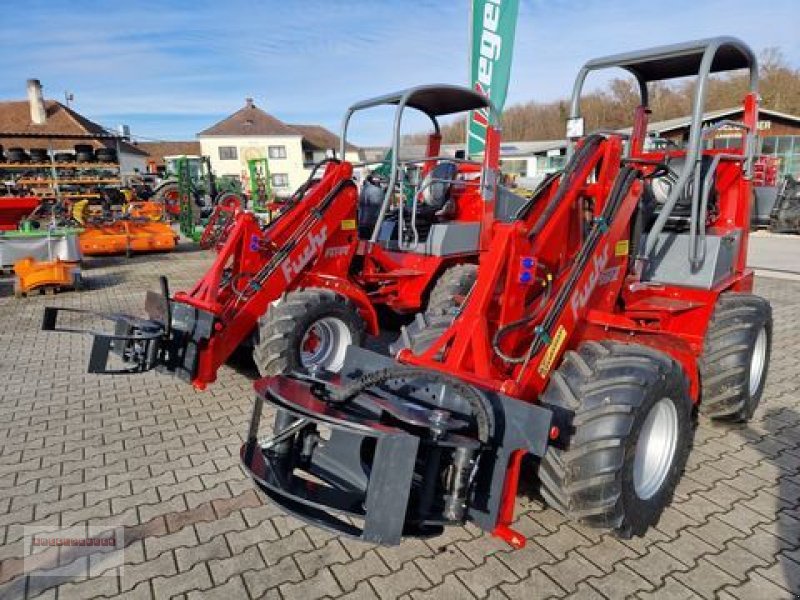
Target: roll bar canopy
[435,101]
[700,58]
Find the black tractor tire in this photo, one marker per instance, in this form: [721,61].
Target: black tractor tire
[17,155]
[84,157]
[735,355]
[39,155]
[169,195]
[169,188]
[613,390]
[451,289]
[105,155]
[64,157]
[282,331]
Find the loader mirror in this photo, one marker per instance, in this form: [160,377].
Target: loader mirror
[575,128]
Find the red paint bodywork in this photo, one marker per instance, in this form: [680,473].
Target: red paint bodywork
[315,248]
[610,300]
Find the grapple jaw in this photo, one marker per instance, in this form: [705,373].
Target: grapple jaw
[392,461]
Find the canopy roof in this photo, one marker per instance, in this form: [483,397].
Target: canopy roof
[679,60]
[433,100]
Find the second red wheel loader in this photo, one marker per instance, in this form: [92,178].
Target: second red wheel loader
[307,285]
[615,304]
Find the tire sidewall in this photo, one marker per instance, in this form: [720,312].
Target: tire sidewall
[454,281]
[330,308]
[752,401]
[640,514]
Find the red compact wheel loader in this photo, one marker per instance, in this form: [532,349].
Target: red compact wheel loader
[610,307]
[307,284]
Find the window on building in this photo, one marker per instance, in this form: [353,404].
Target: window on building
[785,144]
[280,180]
[277,151]
[722,143]
[308,158]
[768,144]
[786,148]
[514,166]
[228,153]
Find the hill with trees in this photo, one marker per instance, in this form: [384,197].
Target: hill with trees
[613,106]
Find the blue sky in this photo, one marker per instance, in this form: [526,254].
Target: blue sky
[170,69]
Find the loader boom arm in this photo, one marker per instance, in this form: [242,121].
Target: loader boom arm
[257,264]
[550,263]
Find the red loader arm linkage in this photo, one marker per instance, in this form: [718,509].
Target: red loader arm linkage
[537,279]
[256,265]
[193,333]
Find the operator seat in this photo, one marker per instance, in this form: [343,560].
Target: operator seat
[369,206]
[435,202]
[657,190]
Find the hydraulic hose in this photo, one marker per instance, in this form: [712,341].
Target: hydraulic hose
[514,325]
[525,209]
[623,183]
[257,280]
[300,192]
[574,165]
[477,402]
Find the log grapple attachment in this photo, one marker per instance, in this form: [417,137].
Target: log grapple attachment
[383,451]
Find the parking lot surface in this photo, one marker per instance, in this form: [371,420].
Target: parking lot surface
[149,453]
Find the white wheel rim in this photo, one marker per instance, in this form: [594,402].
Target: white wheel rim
[655,449]
[325,343]
[757,361]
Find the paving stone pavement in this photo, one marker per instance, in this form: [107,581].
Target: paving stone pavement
[149,453]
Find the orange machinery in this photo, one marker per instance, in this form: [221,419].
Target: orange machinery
[34,275]
[143,230]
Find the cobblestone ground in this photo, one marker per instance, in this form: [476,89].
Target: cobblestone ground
[150,453]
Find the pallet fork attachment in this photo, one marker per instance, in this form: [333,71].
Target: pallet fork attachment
[139,343]
[135,341]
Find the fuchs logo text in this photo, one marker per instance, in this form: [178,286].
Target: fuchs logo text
[314,243]
[580,299]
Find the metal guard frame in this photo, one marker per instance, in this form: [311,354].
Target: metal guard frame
[381,506]
[700,58]
[472,100]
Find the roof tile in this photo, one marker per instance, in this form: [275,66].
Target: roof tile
[249,120]
[15,117]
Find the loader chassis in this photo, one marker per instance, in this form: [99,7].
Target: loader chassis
[611,304]
[432,215]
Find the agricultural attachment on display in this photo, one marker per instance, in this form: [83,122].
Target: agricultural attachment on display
[260,180]
[604,310]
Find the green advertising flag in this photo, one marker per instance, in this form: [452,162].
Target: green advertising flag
[493,25]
